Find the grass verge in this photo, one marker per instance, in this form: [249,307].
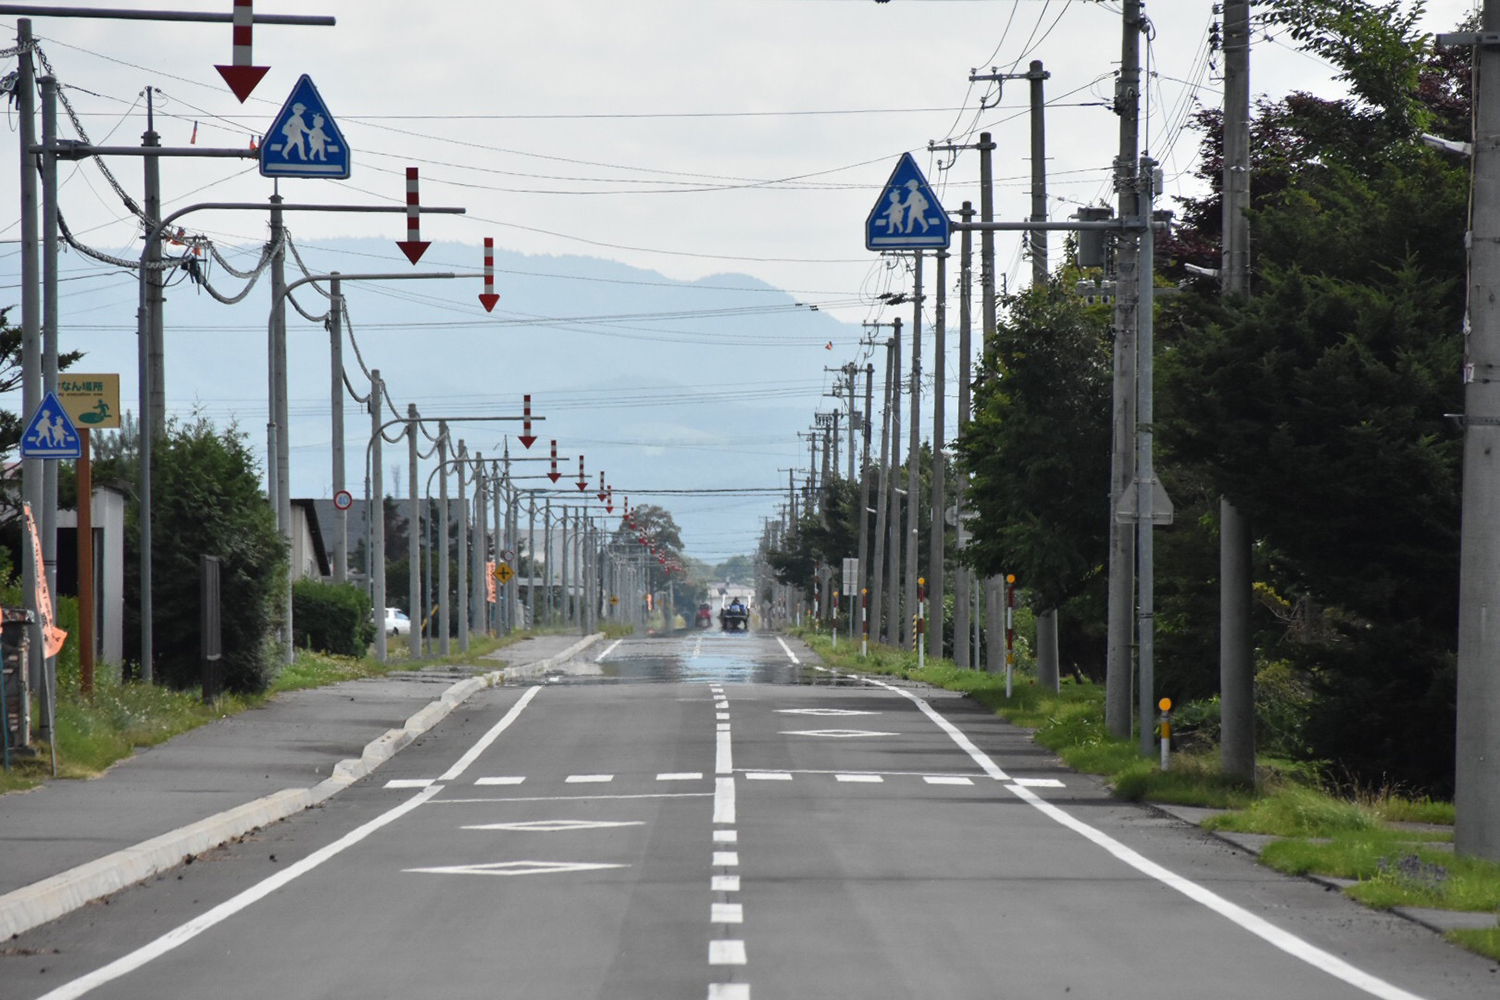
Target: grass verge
[94,733]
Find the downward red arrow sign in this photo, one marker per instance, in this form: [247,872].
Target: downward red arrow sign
[609,505]
[527,438]
[600,494]
[413,246]
[489,298]
[241,76]
[583,480]
[554,475]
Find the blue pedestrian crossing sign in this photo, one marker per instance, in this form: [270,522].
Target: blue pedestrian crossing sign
[51,434]
[907,216]
[304,141]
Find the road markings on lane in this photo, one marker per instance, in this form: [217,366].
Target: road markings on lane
[726,953]
[1039,783]
[573,798]
[502,780]
[724,800]
[729,991]
[823,711]
[555,825]
[408,783]
[726,859]
[725,883]
[791,655]
[515,868]
[472,754]
[680,776]
[611,649]
[588,779]
[1264,929]
[867,778]
[943,779]
[722,716]
[726,836]
[727,913]
[768,776]
[723,755]
[837,734]
[186,932]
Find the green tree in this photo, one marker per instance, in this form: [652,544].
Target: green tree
[206,500]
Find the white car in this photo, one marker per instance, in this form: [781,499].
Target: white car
[396,622]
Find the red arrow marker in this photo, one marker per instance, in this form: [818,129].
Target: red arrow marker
[554,475]
[609,505]
[600,494]
[583,480]
[489,298]
[413,246]
[527,438]
[241,76]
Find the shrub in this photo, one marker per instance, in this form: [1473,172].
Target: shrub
[331,617]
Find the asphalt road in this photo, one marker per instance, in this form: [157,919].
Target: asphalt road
[704,816]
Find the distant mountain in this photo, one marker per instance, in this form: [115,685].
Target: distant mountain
[666,385]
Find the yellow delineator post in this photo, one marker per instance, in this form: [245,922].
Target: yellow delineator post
[1166,732]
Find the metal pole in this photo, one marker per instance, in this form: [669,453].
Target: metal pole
[282,458]
[936,534]
[375,511]
[336,399]
[893,521]
[48,513]
[463,550]
[913,459]
[413,538]
[442,556]
[32,472]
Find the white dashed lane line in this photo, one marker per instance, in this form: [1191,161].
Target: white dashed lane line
[723,912]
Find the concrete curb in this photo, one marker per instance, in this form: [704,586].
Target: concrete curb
[54,897]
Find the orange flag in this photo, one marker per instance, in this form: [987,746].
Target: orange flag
[52,636]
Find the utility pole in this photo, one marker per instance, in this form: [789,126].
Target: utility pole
[913,456]
[994,585]
[1236,595]
[862,584]
[1476,800]
[155,324]
[442,557]
[463,550]
[962,620]
[882,494]
[336,402]
[893,521]
[376,514]
[413,538]
[1117,714]
[935,544]
[32,471]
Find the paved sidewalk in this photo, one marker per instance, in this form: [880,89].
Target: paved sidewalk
[71,841]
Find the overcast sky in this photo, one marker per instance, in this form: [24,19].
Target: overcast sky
[692,137]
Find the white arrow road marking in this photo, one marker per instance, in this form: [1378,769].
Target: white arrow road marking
[514,868]
[556,825]
[823,711]
[838,734]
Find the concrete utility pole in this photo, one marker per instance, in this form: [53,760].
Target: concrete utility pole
[415,610]
[155,278]
[336,402]
[442,558]
[375,511]
[893,521]
[862,584]
[882,496]
[1476,799]
[935,545]
[1236,593]
[913,456]
[994,585]
[962,620]
[31,345]
[1117,714]
[47,516]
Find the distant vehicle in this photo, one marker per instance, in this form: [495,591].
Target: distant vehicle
[705,616]
[735,617]
[396,622]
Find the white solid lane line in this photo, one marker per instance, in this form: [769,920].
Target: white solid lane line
[791,655]
[186,932]
[1263,929]
[611,649]
[472,754]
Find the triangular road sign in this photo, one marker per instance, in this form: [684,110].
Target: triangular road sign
[51,434]
[304,140]
[907,215]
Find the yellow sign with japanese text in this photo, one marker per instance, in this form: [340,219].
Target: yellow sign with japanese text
[90,400]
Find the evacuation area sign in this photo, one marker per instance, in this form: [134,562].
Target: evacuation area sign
[91,400]
[907,216]
[303,140]
[50,434]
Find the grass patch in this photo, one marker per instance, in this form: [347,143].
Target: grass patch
[94,733]
[1486,942]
